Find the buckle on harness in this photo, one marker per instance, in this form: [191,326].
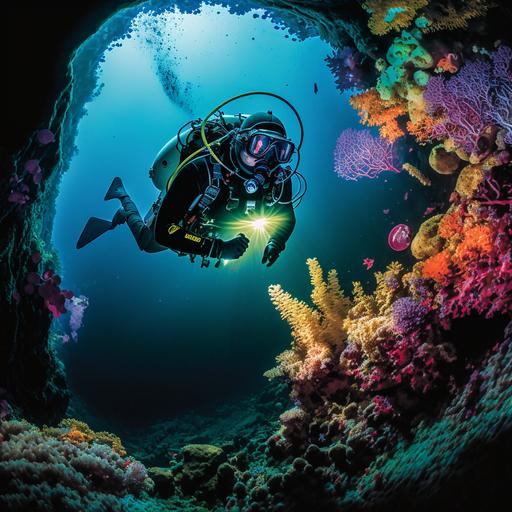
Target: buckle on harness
[209,195]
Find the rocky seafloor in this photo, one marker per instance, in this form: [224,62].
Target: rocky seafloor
[388,399]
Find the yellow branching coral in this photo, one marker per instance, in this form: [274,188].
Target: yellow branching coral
[388,15]
[447,16]
[328,297]
[368,332]
[319,332]
[416,173]
[369,320]
[315,332]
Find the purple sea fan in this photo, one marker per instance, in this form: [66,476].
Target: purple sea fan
[463,103]
[408,315]
[502,113]
[359,154]
[77,307]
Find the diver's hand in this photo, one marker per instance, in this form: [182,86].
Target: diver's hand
[234,248]
[271,253]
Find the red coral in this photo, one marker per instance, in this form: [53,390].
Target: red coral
[483,283]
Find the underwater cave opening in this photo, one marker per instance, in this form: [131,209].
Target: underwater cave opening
[160,335]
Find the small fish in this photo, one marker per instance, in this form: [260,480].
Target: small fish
[429,210]
[406,196]
[385,211]
[368,263]
[315,88]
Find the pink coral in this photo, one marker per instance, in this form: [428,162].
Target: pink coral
[47,287]
[485,285]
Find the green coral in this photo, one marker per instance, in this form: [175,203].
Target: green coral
[405,53]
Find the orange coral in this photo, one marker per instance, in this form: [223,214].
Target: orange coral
[477,242]
[388,15]
[422,128]
[374,111]
[80,432]
[450,225]
[437,267]
[75,437]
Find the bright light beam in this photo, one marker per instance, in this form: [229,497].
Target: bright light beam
[259,224]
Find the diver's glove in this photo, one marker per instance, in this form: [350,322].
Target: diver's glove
[234,248]
[271,252]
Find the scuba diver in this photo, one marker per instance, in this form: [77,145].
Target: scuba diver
[205,192]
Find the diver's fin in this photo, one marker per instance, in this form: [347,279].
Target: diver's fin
[116,189]
[93,229]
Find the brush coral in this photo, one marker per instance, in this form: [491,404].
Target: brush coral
[416,173]
[477,242]
[388,15]
[77,431]
[454,15]
[369,321]
[484,283]
[452,223]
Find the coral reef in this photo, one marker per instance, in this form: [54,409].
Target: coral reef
[400,396]
[40,472]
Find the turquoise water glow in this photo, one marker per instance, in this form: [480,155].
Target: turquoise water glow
[165,332]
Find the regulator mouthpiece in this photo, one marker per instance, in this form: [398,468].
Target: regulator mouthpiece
[253,184]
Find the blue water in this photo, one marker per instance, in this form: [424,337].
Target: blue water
[162,334]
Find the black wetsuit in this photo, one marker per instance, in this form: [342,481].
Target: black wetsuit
[174,229]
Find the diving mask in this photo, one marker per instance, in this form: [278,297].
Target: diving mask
[260,142]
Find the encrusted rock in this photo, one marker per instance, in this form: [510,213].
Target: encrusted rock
[426,243]
[198,473]
[469,179]
[442,161]
[164,481]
